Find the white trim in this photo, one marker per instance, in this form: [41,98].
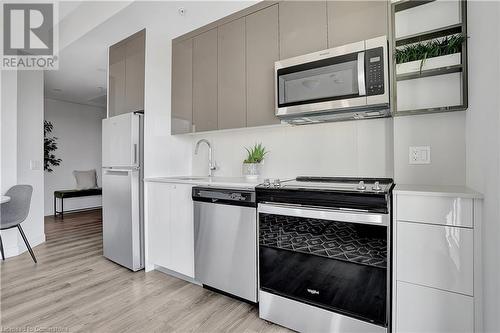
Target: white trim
[20,248]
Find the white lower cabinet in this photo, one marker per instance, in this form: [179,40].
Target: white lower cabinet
[436,256]
[423,309]
[436,262]
[170,227]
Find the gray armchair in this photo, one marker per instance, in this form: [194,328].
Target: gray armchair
[14,212]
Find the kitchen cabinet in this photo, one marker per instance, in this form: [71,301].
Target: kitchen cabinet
[353,21]
[134,71]
[116,89]
[182,87]
[437,259]
[205,81]
[126,75]
[231,75]
[262,50]
[303,27]
[170,227]
[422,310]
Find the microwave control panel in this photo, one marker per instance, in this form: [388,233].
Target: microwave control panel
[374,67]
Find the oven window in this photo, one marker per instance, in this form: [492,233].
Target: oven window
[335,265]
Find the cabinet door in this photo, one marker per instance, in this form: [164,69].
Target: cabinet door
[134,71]
[421,310]
[303,27]
[159,198]
[231,78]
[181,236]
[116,90]
[262,50]
[205,81]
[182,87]
[435,256]
[353,21]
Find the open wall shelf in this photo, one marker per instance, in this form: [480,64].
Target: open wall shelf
[425,35]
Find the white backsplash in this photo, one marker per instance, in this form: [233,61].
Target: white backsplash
[351,148]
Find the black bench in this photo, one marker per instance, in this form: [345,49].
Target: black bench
[73,194]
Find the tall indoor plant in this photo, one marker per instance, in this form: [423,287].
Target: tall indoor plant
[49,146]
[252,163]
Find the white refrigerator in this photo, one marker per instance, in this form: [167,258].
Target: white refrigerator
[123,190]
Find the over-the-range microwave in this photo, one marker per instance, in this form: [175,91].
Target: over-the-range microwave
[345,82]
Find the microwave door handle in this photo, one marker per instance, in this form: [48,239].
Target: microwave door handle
[361,74]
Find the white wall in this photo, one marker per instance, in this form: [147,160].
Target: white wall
[354,148]
[78,129]
[22,151]
[445,134]
[483,142]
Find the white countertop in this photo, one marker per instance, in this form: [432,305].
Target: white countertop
[437,190]
[229,182]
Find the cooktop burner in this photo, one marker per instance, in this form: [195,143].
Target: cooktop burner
[338,184]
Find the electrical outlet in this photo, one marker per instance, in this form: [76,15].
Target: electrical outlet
[420,155]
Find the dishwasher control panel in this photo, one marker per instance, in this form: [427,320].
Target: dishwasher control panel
[224,196]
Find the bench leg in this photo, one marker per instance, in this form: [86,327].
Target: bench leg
[55,211]
[62,208]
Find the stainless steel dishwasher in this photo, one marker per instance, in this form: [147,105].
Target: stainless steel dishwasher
[225,231]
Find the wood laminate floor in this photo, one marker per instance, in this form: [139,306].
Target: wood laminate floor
[73,288]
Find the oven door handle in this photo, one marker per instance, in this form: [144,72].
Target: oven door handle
[326,214]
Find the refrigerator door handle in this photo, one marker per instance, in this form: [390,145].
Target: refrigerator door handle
[135,153]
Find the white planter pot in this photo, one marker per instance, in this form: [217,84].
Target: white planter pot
[251,170]
[430,63]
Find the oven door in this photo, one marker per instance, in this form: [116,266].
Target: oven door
[335,260]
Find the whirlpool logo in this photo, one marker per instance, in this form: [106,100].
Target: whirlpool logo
[29,36]
[313,291]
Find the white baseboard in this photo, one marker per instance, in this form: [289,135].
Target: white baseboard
[13,251]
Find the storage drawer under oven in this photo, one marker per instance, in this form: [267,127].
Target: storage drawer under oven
[336,265]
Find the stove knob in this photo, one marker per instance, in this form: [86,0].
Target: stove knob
[277,183]
[267,182]
[376,187]
[361,186]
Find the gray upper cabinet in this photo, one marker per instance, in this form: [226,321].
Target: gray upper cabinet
[231,75]
[262,50]
[126,75]
[353,21]
[303,27]
[116,89]
[205,81]
[182,87]
[134,69]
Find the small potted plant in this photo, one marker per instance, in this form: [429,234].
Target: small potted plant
[252,164]
[436,53]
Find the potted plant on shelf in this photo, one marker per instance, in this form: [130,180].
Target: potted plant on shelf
[432,54]
[252,164]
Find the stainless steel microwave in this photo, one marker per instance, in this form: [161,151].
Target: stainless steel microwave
[345,82]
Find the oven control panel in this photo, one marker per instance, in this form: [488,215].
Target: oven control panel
[374,67]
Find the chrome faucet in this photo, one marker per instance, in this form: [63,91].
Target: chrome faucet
[211,164]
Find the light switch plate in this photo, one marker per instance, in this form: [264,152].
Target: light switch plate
[35,165]
[420,155]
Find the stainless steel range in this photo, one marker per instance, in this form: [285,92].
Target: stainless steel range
[324,253]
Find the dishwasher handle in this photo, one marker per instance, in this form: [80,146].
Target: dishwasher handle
[224,196]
